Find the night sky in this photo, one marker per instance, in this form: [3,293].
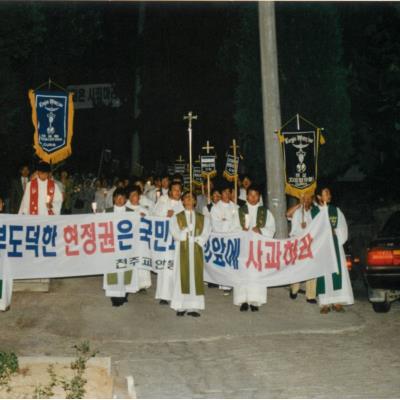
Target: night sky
[203,57]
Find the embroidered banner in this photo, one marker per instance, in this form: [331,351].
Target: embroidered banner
[52,117]
[231,167]
[89,244]
[300,157]
[208,168]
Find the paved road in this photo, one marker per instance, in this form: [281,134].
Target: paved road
[286,350]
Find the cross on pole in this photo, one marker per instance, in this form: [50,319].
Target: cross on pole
[180,159]
[190,117]
[207,148]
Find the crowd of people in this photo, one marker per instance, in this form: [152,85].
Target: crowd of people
[193,217]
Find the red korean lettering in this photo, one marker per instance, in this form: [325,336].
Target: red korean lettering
[106,237]
[273,255]
[290,252]
[71,237]
[305,247]
[89,233]
[254,259]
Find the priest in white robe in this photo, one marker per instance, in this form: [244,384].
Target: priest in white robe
[301,219]
[334,290]
[224,217]
[167,206]
[253,217]
[141,279]
[118,284]
[42,196]
[190,230]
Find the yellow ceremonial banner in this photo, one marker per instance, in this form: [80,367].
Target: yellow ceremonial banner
[53,120]
[300,157]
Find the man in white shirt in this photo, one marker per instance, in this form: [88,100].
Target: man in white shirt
[167,206]
[301,219]
[224,217]
[42,196]
[257,218]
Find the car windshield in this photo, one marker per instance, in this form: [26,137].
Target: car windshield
[392,226]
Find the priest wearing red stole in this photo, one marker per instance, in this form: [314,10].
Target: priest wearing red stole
[42,196]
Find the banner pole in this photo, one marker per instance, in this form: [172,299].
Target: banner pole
[235,169]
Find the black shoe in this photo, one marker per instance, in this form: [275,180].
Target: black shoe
[311,301]
[212,285]
[143,290]
[180,313]
[126,298]
[292,295]
[253,308]
[117,301]
[244,307]
[301,291]
[164,302]
[193,314]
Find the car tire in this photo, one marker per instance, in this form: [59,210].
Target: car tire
[381,307]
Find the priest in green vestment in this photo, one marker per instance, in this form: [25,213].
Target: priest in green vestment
[190,230]
[334,290]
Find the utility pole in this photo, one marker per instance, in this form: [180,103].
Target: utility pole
[272,116]
[135,142]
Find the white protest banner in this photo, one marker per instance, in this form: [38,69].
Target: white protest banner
[244,257]
[90,244]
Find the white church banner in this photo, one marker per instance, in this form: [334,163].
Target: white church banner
[90,244]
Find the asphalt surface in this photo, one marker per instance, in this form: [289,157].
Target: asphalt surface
[287,349]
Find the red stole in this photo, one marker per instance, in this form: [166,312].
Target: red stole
[34,195]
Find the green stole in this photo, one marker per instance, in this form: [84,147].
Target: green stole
[262,213]
[336,277]
[198,255]
[112,279]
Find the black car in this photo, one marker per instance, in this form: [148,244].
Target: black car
[382,271]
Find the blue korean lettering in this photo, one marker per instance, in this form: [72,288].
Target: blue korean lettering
[207,251]
[32,238]
[49,239]
[145,230]
[124,228]
[14,242]
[232,253]
[161,234]
[218,247]
[3,236]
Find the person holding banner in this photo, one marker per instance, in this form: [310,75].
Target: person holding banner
[42,196]
[118,284]
[224,217]
[301,219]
[190,230]
[258,219]
[167,207]
[335,290]
[141,277]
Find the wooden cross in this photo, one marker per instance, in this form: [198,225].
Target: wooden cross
[190,117]
[207,147]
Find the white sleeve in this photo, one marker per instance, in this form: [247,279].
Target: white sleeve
[269,228]
[24,207]
[202,239]
[217,222]
[296,224]
[341,229]
[159,209]
[57,200]
[178,234]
